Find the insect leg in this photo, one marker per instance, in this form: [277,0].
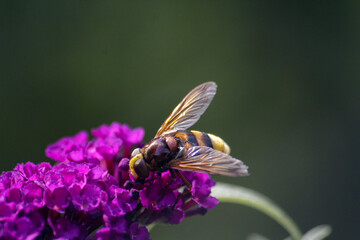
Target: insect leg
[172,173]
[186,191]
[183,179]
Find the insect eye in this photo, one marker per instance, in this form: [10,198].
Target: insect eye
[135,152]
[141,168]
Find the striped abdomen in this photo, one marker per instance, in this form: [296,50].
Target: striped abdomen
[161,150]
[196,138]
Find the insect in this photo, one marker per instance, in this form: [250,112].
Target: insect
[175,148]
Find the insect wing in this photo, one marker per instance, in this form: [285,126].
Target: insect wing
[189,110]
[207,160]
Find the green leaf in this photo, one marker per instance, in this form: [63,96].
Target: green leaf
[317,233]
[150,227]
[240,195]
[256,236]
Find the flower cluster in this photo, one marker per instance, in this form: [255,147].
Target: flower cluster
[90,194]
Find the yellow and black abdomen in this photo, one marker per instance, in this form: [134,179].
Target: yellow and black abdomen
[196,138]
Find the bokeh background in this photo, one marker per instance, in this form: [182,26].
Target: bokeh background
[287,102]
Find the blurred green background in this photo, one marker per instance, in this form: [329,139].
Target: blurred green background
[287,102]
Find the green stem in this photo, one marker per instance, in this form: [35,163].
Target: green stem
[240,195]
[150,227]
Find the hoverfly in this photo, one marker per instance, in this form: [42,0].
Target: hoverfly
[176,149]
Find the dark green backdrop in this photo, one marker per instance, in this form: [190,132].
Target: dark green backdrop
[287,102]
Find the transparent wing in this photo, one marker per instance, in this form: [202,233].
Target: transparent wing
[208,160]
[189,110]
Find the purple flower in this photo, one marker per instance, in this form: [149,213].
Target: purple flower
[90,191]
[130,137]
[157,196]
[122,131]
[123,231]
[24,227]
[201,190]
[122,201]
[64,228]
[7,211]
[33,194]
[137,232]
[68,148]
[58,199]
